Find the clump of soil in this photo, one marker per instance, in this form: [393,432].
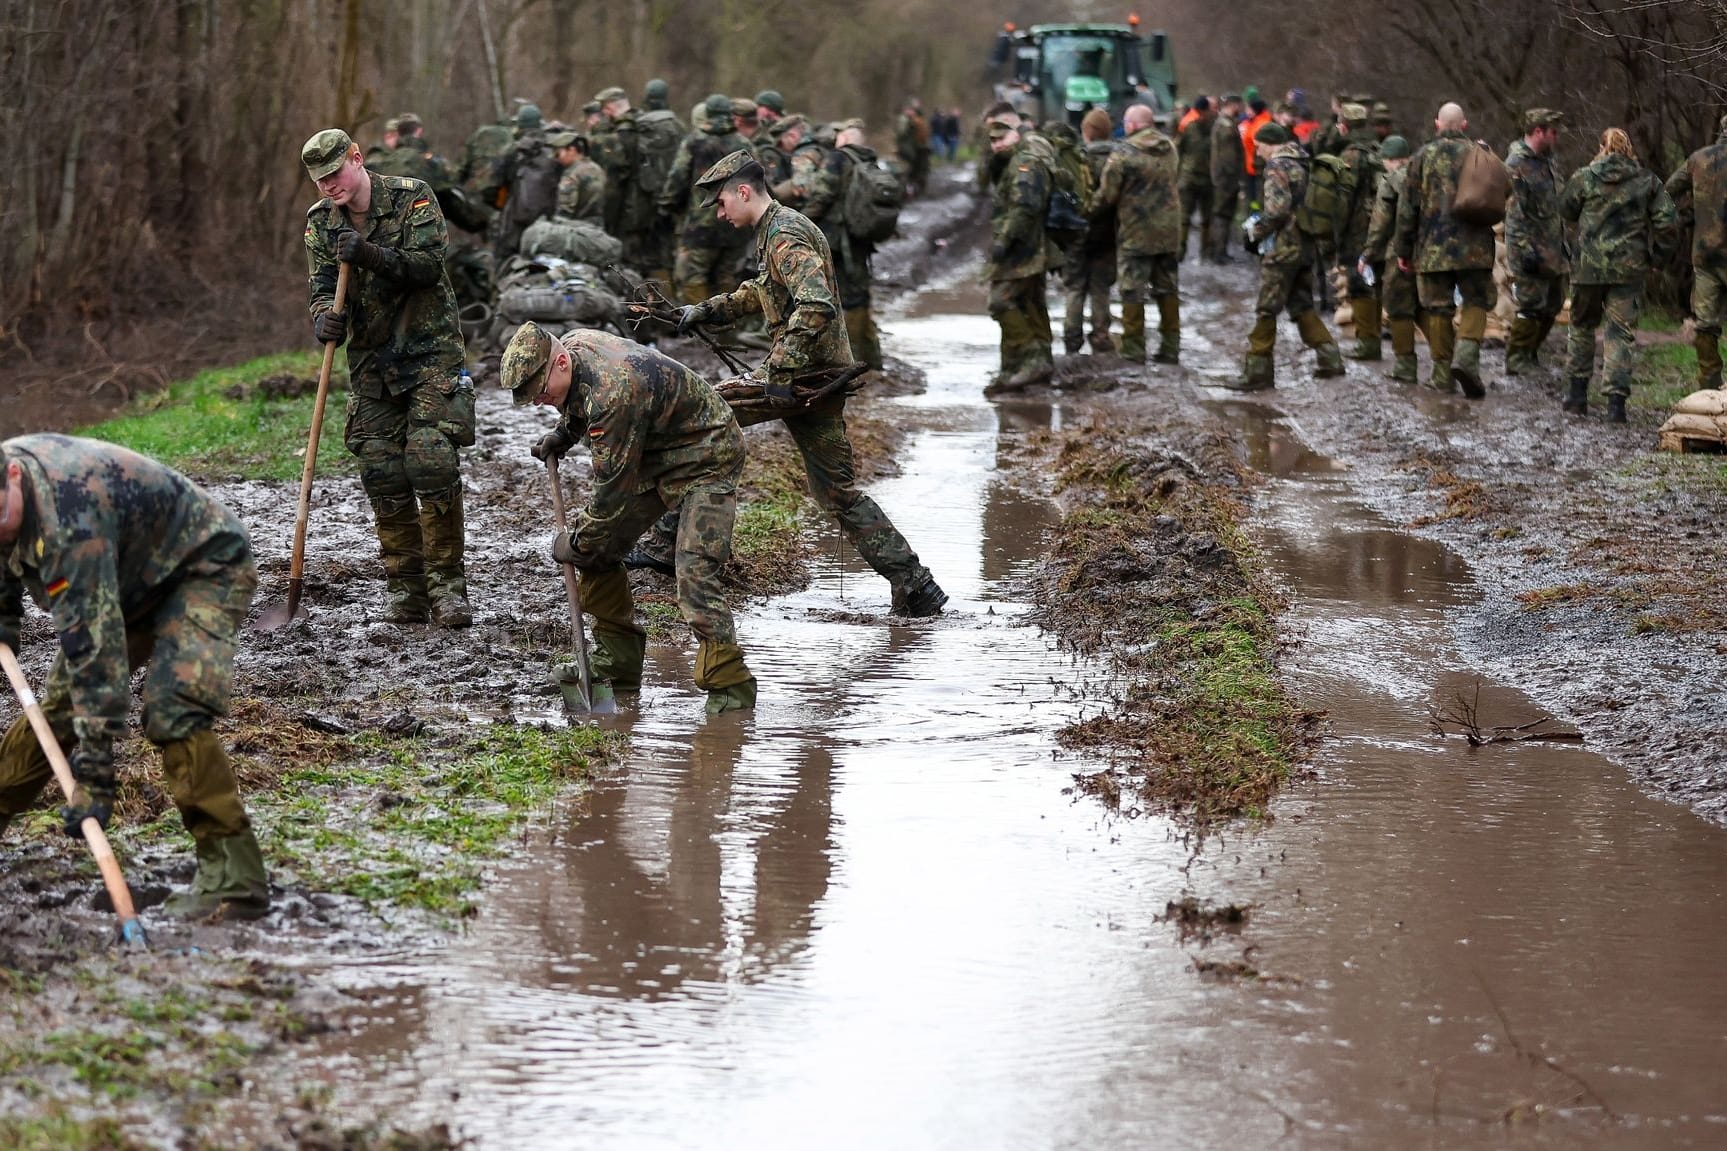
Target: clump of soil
[1200,923]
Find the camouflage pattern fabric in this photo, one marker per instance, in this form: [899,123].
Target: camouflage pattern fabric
[1193,147]
[1396,289]
[1440,291]
[1019,246]
[1699,188]
[614,147]
[1534,233]
[702,227]
[1086,277]
[1428,235]
[1021,308]
[1139,186]
[401,317]
[1626,224]
[1360,158]
[796,293]
[774,162]
[1228,157]
[582,192]
[1282,190]
[1620,304]
[808,188]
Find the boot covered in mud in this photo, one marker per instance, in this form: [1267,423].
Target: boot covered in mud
[1317,336]
[1707,341]
[1405,370]
[1466,368]
[1330,364]
[1520,343]
[1132,347]
[926,599]
[403,547]
[1616,408]
[1439,379]
[1101,344]
[1168,330]
[441,525]
[1258,374]
[617,658]
[230,883]
[1366,345]
[1577,397]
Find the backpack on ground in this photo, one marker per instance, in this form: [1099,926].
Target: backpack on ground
[1483,187]
[874,194]
[1324,212]
[577,240]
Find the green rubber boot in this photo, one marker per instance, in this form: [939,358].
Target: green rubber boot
[1257,375]
[1405,370]
[617,658]
[1466,368]
[231,882]
[737,697]
[1440,380]
[1330,360]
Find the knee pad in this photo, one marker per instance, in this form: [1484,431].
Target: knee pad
[382,473]
[429,461]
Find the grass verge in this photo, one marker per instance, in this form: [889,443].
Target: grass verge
[1151,571]
[249,420]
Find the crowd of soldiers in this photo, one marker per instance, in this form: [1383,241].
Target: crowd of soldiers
[1354,200]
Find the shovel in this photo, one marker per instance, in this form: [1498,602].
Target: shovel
[605,704]
[281,615]
[131,931]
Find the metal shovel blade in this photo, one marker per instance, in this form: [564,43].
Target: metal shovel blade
[278,617]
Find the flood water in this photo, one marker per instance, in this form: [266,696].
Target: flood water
[869,915]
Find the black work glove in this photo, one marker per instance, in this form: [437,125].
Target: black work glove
[692,316]
[551,446]
[93,770]
[330,327]
[9,629]
[565,552]
[351,249]
[778,386]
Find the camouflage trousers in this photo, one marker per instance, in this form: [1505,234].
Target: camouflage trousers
[1708,298]
[1438,292]
[1621,305]
[1021,307]
[188,644]
[1285,287]
[1086,278]
[703,272]
[1397,292]
[1539,298]
[406,445]
[1196,197]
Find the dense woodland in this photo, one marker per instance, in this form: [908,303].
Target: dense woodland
[153,197]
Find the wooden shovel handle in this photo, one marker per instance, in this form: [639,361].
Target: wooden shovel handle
[297,566]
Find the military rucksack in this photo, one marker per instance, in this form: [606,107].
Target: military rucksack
[658,135]
[872,198]
[1064,219]
[482,174]
[1324,212]
[534,176]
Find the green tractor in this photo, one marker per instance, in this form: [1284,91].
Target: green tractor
[1061,71]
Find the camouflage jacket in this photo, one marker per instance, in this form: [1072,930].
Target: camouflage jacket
[1699,188]
[1328,141]
[107,535]
[1428,235]
[1361,156]
[700,151]
[1282,191]
[796,292]
[1100,232]
[613,146]
[1228,157]
[1019,247]
[1384,220]
[413,163]
[402,317]
[777,164]
[1626,224]
[650,423]
[1533,230]
[808,188]
[582,192]
[1193,146]
[1139,185]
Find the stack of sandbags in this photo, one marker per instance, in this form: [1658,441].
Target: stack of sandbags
[1698,423]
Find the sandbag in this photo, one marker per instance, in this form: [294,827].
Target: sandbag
[1483,187]
[1698,423]
[577,240]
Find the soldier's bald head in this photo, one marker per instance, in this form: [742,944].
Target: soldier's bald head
[1137,118]
[1450,118]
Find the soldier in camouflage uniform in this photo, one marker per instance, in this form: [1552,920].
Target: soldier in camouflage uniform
[656,96]
[1193,149]
[709,250]
[1021,254]
[796,292]
[137,566]
[806,186]
[1384,125]
[783,138]
[1139,186]
[1360,154]
[379,153]
[661,438]
[852,255]
[770,107]
[1699,189]
[1626,227]
[614,148]
[1396,287]
[1285,264]
[1228,169]
[1088,270]
[911,144]
[408,410]
[582,188]
[1534,239]
[1447,256]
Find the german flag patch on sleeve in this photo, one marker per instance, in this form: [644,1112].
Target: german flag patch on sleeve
[57,586]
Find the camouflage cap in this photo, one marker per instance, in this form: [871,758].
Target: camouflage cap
[1353,114]
[591,108]
[407,122]
[1381,113]
[325,152]
[1542,118]
[855,124]
[525,361]
[717,105]
[657,89]
[607,95]
[726,169]
[786,124]
[768,98]
[743,108]
[392,125]
[562,139]
[1271,132]
[1394,148]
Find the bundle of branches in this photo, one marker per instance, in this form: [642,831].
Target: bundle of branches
[747,395]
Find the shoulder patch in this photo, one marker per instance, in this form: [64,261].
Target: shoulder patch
[400,183]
